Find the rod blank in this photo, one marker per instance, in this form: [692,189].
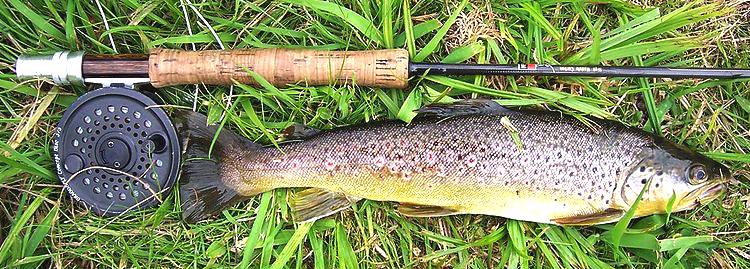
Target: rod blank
[570,70]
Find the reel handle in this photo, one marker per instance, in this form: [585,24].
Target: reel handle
[373,68]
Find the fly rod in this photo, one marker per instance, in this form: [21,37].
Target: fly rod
[374,68]
[111,133]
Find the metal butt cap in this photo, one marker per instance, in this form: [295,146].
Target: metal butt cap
[63,67]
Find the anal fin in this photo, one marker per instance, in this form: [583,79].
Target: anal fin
[315,203]
[608,215]
[417,210]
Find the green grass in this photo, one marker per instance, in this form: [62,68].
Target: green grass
[40,227]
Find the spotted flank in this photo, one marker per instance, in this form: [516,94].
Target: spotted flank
[455,159]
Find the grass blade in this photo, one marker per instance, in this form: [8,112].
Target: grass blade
[412,103]
[254,236]
[386,20]
[648,97]
[365,26]
[38,21]
[291,246]
[19,224]
[619,230]
[408,35]
[22,162]
[435,41]
[463,53]
[347,257]
[70,31]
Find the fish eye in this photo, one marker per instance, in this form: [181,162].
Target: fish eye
[697,174]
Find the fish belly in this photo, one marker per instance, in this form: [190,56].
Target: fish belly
[462,196]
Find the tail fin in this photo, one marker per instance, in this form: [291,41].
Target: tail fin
[205,187]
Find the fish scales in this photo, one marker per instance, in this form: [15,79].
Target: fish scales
[463,159]
[468,163]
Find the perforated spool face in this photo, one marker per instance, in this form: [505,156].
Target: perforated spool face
[107,134]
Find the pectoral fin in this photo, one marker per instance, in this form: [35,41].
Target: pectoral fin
[314,203]
[605,216]
[415,210]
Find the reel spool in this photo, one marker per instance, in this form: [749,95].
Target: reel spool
[115,152]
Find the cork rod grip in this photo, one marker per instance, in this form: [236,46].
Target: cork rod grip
[280,67]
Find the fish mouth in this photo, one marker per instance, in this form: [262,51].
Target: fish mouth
[704,195]
[711,193]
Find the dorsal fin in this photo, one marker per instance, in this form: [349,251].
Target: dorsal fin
[462,108]
[299,132]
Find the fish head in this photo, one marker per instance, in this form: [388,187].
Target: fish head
[670,171]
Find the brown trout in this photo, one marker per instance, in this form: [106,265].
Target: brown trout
[470,158]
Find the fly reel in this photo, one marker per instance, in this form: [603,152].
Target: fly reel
[115,151]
